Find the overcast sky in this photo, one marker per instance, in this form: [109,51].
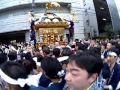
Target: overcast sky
[118,6]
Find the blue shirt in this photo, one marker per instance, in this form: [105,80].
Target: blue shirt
[57,86]
[44,82]
[115,76]
[37,88]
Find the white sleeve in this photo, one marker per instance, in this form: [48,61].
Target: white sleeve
[118,86]
[110,87]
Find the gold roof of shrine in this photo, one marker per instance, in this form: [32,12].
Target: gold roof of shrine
[51,25]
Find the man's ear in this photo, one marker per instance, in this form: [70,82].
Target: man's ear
[92,78]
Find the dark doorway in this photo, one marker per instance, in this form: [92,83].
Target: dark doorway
[7,37]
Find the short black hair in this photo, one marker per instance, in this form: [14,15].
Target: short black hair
[95,50]
[66,51]
[88,62]
[46,50]
[51,67]
[12,55]
[81,46]
[28,56]
[28,65]
[15,71]
[40,58]
[56,52]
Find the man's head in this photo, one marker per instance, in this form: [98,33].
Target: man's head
[11,72]
[109,45]
[82,71]
[46,51]
[111,57]
[56,52]
[51,67]
[66,51]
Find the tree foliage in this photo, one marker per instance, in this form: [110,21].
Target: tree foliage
[109,31]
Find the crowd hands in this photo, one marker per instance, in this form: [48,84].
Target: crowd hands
[79,65]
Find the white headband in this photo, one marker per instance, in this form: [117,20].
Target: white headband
[37,63]
[29,81]
[112,54]
[60,59]
[61,73]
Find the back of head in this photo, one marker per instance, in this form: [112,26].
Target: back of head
[46,50]
[28,56]
[12,55]
[81,46]
[28,66]
[56,52]
[66,51]
[51,67]
[96,50]
[15,71]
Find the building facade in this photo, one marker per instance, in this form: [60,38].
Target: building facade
[107,12]
[15,23]
[15,20]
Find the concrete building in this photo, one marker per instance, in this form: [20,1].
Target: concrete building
[15,23]
[107,12]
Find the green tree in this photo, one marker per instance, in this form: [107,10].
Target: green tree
[109,31]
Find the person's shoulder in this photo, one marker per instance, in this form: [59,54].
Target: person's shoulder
[57,86]
[117,69]
[37,88]
[117,66]
[54,87]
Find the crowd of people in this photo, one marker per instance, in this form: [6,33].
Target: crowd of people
[78,65]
